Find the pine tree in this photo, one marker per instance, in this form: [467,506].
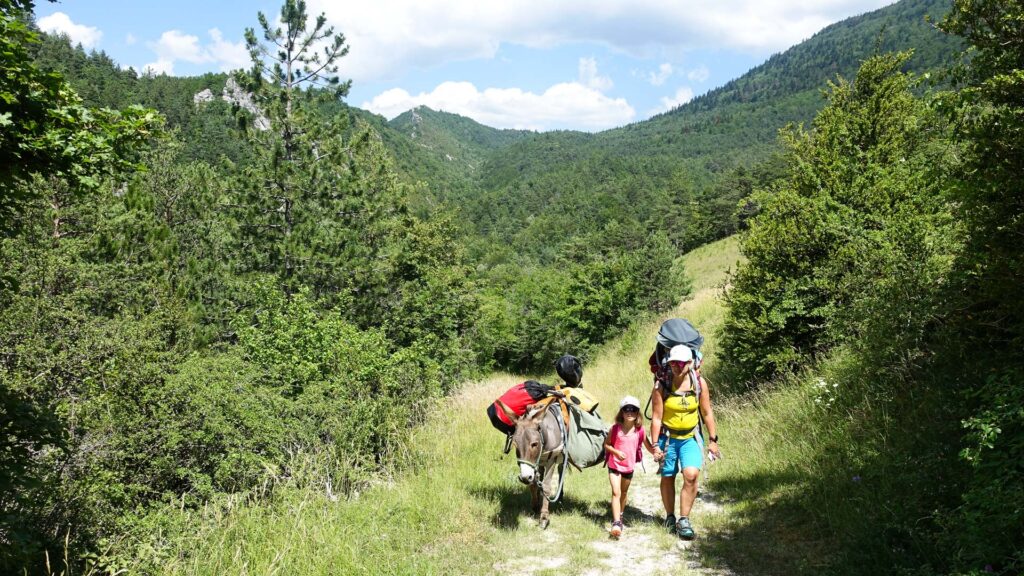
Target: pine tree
[301,162]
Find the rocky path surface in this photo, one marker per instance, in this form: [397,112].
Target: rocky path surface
[643,547]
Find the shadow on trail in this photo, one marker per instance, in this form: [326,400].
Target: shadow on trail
[771,533]
[844,516]
[633,515]
[514,506]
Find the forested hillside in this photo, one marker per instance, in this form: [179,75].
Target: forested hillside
[685,162]
[531,192]
[880,282]
[204,302]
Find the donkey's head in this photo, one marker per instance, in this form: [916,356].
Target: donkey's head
[528,440]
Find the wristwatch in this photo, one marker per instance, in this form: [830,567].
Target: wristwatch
[713,438]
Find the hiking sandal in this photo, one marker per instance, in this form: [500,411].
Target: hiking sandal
[616,530]
[684,529]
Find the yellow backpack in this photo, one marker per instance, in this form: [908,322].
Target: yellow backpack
[581,398]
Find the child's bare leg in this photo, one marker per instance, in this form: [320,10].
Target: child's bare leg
[625,494]
[616,481]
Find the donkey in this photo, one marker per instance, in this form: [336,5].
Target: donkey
[540,451]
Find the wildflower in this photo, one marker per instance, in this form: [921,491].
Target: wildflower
[856,478]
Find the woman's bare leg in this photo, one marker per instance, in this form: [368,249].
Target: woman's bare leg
[689,492]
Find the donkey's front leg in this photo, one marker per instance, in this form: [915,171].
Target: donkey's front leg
[536,495]
[546,488]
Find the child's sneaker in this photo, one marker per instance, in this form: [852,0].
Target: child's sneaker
[616,529]
[670,522]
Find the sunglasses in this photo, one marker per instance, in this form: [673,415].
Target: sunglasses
[679,362]
[630,409]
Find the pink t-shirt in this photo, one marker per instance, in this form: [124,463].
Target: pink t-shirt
[630,443]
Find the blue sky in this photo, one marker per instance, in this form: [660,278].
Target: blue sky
[534,64]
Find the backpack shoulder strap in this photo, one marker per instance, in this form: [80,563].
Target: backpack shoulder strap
[667,390]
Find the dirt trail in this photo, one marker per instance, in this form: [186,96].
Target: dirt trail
[642,549]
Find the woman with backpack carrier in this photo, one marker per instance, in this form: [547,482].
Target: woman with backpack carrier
[678,405]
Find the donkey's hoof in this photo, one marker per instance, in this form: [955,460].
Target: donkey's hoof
[544,523]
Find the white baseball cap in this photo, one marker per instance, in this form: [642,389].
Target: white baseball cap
[629,401]
[680,353]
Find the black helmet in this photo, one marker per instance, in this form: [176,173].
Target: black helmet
[570,370]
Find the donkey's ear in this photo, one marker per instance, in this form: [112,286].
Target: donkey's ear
[534,411]
[508,412]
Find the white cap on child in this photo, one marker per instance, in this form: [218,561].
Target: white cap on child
[629,401]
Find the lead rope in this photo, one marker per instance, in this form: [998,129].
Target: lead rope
[508,443]
[565,456]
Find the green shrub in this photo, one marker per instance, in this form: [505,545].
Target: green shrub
[530,317]
[860,222]
[985,528]
[984,326]
[353,392]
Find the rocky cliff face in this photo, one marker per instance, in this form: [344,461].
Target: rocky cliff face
[234,94]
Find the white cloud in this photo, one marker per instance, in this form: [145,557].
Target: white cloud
[388,35]
[60,23]
[231,55]
[658,78]
[682,96]
[160,66]
[699,74]
[174,45]
[565,105]
[590,78]
[130,39]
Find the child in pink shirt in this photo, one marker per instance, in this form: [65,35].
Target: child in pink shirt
[623,452]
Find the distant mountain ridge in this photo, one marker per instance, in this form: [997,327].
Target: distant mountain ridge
[684,156]
[464,133]
[532,191]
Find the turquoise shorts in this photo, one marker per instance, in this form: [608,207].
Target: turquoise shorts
[679,454]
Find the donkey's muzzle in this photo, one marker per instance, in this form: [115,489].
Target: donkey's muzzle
[526,474]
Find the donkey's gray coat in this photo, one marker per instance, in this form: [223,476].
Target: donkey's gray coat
[536,429]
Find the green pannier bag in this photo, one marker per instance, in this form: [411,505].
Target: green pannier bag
[587,434]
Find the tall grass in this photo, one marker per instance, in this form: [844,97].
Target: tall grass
[806,476]
[458,509]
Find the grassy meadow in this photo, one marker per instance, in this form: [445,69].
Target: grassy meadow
[461,510]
